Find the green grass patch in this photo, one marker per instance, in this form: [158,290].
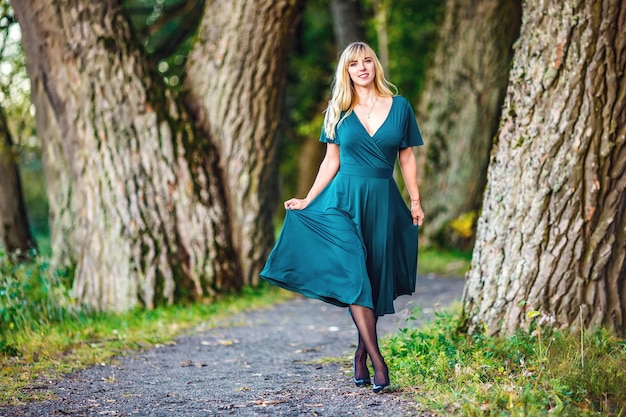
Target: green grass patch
[535,372]
[45,334]
[443,263]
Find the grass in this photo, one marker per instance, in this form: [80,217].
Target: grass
[535,372]
[43,335]
[443,263]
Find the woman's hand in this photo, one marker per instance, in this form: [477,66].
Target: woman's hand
[417,213]
[296,203]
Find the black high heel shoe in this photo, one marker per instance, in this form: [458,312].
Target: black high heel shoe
[380,388]
[360,382]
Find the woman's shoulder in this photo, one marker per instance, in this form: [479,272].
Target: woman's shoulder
[402,105]
[401,100]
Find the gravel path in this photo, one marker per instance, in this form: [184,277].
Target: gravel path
[289,360]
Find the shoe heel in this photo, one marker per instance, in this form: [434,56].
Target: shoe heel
[378,389]
[360,382]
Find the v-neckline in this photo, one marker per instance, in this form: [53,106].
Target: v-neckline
[381,125]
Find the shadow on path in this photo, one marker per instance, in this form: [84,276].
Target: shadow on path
[288,360]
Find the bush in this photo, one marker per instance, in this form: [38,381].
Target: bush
[31,295]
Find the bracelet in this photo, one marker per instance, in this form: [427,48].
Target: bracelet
[415,201]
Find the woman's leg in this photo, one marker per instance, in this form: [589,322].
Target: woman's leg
[361,373]
[365,321]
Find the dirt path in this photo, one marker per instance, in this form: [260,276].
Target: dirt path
[289,360]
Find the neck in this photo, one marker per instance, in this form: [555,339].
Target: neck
[365,95]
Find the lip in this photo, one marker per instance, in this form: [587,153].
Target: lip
[365,75]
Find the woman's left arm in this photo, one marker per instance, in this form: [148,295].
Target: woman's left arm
[408,165]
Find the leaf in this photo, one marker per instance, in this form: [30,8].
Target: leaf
[532,314]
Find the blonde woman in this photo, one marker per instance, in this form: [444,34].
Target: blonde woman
[352,241]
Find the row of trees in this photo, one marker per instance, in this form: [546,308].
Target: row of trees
[139,177]
[159,193]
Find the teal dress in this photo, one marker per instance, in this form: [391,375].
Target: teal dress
[355,243]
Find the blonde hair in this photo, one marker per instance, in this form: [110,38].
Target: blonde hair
[343,95]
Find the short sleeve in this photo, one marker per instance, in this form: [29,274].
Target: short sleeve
[412,135]
[325,139]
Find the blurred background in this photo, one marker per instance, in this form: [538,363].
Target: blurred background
[404,31]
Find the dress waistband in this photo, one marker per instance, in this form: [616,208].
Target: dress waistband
[370,172]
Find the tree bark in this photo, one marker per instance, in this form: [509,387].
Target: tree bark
[135,194]
[235,75]
[459,112]
[15,235]
[552,234]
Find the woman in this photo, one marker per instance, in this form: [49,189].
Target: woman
[352,241]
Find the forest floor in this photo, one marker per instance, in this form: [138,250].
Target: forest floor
[293,359]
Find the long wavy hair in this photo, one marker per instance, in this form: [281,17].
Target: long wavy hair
[343,96]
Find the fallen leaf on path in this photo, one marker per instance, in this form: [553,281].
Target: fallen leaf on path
[220,342]
[264,403]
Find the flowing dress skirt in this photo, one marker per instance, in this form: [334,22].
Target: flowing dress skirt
[354,244]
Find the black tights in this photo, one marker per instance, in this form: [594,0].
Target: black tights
[365,321]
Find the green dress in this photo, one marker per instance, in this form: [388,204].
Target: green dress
[355,243]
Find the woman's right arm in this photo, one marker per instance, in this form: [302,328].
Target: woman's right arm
[328,169]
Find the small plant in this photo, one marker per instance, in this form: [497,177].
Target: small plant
[537,371]
[32,294]
[463,225]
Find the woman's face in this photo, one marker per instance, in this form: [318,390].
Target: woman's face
[362,70]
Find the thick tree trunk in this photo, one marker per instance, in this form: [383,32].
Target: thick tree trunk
[15,236]
[552,234]
[135,196]
[459,112]
[235,75]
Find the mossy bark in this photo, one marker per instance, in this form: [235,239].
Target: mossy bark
[235,76]
[459,111]
[552,234]
[137,201]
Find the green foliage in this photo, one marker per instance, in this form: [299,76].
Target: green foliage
[412,30]
[309,75]
[32,295]
[443,263]
[537,371]
[18,109]
[166,29]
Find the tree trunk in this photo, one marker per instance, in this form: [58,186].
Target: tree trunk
[135,194]
[459,112]
[235,75]
[348,23]
[381,11]
[552,234]
[15,236]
